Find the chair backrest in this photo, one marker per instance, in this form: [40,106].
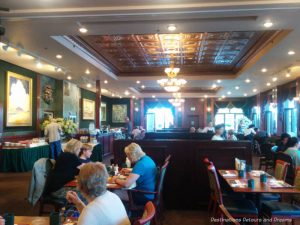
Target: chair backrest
[167,159]
[160,183]
[281,168]
[149,213]
[290,176]
[266,150]
[214,181]
[224,213]
[207,162]
[297,178]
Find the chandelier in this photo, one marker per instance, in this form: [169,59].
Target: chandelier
[172,84]
[177,100]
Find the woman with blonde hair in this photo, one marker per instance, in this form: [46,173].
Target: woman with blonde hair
[103,207]
[66,168]
[143,174]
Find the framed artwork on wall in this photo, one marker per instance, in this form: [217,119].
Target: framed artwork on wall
[103,112]
[18,100]
[119,113]
[88,109]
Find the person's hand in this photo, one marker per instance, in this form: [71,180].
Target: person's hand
[125,171]
[113,179]
[72,197]
[2,221]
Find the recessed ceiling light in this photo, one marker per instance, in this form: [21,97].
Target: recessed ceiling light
[83,30]
[247,80]
[223,96]
[138,81]
[133,96]
[87,71]
[245,94]
[120,97]
[291,52]
[69,78]
[268,24]
[268,84]
[172,27]
[264,70]
[89,85]
[143,86]
[237,87]
[126,92]
[274,79]
[205,96]
[214,86]
[113,95]
[57,69]
[58,56]
[288,74]
[254,90]
[39,64]
[153,96]
[219,81]
[105,82]
[229,92]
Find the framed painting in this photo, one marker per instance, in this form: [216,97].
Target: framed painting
[103,112]
[119,113]
[18,100]
[88,109]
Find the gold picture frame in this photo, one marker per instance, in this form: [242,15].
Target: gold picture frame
[18,100]
[119,113]
[88,109]
[103,112]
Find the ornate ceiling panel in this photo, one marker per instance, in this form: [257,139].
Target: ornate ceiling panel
[195,53]
[197,90]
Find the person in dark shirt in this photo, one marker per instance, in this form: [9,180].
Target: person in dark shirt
[85,153]
[66,168]
[282,144]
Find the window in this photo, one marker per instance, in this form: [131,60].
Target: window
[230,117]
[255,116]
[271,118]
[159,118]
[290,117]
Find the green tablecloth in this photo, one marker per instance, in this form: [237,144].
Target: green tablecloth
[22,160]
[97,153]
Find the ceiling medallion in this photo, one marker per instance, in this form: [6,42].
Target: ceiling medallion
[172,84]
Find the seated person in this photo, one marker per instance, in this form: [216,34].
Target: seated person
[293,150]
[143,173]
[104,207]
[209,129]
[261,136]
[66,168]
[2,221]
[231,136]
[85,153]
[249,132]
[282,144]
[219,133]
[192,129]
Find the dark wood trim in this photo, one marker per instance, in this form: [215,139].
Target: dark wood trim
[132,112]
[38,103]
[142,113]
[98,104]
[1,117]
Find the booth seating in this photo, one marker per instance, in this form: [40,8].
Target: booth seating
[186,183]
[178,135]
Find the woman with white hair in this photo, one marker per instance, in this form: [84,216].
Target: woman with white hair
[143,174]
[104,207]
[66,168]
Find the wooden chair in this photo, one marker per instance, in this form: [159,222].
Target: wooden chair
[238,208]
[282,210]
[157,201]
[290,176]
[149,213]
[225,215]
[266,158]
[212,200]
[280,172]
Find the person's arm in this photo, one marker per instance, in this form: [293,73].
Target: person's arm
[72,197]
[128,181]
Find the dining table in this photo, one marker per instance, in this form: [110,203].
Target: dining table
[31,220]
[271,185]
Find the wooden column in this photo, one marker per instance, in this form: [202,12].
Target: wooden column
[205,112]
[38,104]
[98,104]
[1,118]
[142,113]
[131,116]
[212,109]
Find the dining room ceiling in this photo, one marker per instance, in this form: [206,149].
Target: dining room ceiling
[220,46]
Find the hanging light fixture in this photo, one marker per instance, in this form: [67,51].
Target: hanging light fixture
[177,100]
[172,84]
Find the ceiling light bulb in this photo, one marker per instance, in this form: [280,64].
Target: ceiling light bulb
[264,70]
[172,27]
[229,92]
[105,82]
[87,71]
[38,64]
[138,81]
[214,86]
[254,90]
[219,81]
[89,85]
[287,74]
[205,96]
[69,78]
[274,79]
[291,52]
[247,80]
[113,95]
[237,87]
[153,96]
[268,84]
[223,96]
[143,86]
[58,56]
[268,24]
[133,96]
[83,30]
[245,94]
[126,92]
[57,69]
